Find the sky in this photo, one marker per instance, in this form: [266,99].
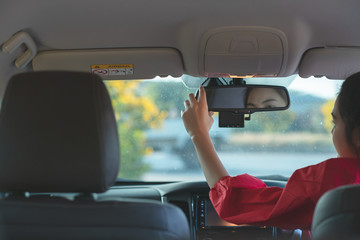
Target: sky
[321,87]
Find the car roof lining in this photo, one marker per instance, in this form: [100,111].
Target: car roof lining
[177,25]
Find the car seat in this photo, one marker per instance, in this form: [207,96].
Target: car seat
[337,214]
[59,147]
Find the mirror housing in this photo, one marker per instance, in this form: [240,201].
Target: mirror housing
[247,99]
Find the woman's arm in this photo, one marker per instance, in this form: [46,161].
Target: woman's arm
[197,121]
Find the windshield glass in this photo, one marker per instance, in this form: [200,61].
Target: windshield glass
[155,146]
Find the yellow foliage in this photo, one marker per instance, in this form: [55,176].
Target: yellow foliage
[134,114]
[326,110]
[148,151]
[126,96]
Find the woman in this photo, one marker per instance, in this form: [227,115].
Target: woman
[245,199]
[259,97]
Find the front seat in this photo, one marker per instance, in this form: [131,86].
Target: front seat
[58,148]
[337,214]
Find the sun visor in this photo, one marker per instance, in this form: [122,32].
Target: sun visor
[243,52]
[333,63]
[114,64]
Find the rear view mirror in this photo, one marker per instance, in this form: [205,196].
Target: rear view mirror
[247,98]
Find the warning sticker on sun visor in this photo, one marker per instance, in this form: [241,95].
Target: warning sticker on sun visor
[113,69]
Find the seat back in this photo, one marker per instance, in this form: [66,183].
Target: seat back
[58,218]
[337,214]
[58,148]
[57,134]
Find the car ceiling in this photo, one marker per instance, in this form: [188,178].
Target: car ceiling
[180,25]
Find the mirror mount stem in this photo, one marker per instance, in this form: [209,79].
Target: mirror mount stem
[238,82]
[212,82]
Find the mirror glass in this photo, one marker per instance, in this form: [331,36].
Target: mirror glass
[247,99]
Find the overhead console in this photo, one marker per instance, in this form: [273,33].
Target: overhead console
[243,52]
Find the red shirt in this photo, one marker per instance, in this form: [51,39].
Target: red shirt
[246,200]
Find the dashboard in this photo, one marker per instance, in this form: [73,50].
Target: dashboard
[193,199]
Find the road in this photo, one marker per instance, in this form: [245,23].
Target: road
[170,167]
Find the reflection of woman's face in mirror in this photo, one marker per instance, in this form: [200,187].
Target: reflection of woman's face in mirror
[265,98]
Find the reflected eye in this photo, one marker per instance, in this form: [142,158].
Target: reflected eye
[269,106]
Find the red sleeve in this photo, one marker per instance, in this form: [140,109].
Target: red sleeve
[246,200]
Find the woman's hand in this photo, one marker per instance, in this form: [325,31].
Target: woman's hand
[196,116]
[198,120]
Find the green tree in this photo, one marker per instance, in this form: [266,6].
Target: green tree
[270,121]
[134,114]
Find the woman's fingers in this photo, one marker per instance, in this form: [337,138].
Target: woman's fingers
[186,104]
[182,113]
[202,95]
[192,99]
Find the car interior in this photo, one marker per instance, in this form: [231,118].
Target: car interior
[92,144]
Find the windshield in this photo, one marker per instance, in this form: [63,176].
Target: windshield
[155,146]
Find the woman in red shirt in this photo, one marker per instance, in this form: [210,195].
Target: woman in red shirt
[244,199]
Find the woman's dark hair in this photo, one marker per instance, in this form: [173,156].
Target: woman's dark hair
[349,106]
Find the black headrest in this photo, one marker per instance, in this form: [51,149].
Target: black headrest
[337,214]
[57,134]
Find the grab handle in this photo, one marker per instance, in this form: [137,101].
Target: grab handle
[15,42]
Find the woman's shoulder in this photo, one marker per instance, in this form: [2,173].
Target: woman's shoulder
[341,162]
[335,162]
[332,167]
